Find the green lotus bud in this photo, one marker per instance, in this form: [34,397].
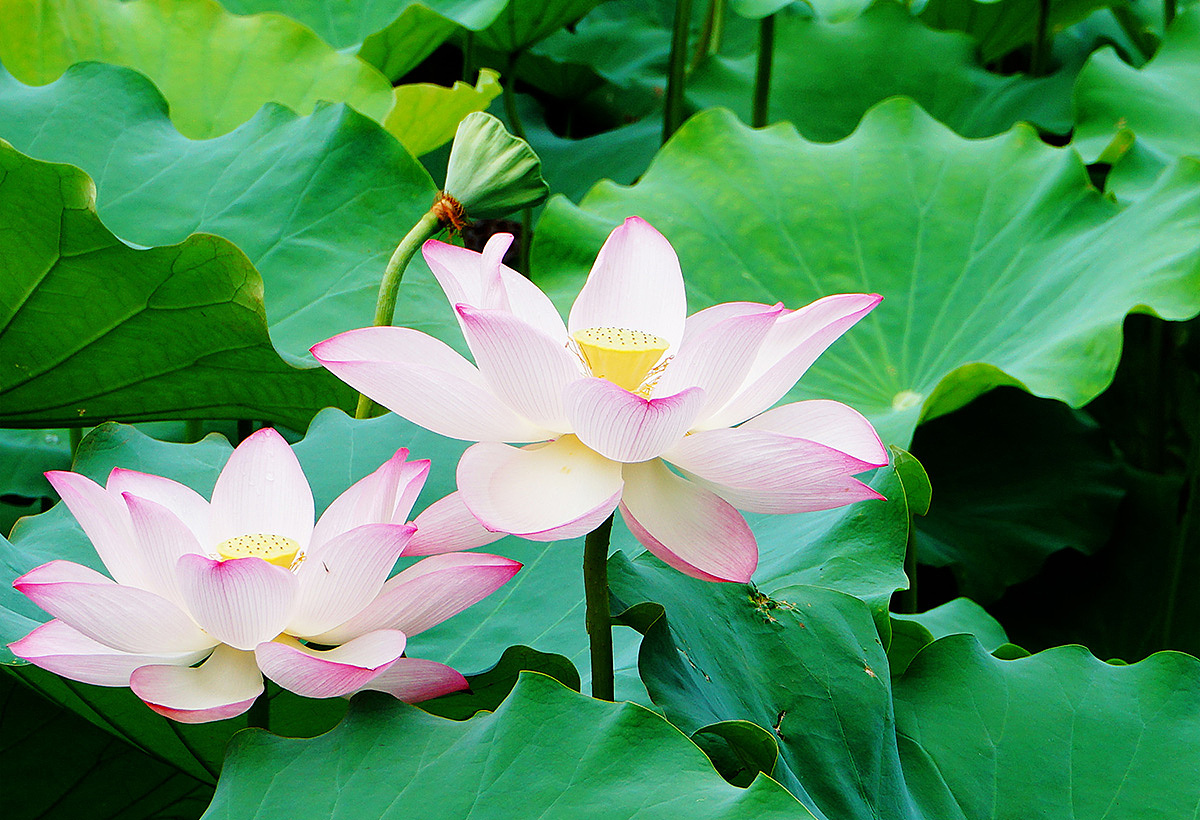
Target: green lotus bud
[491,172]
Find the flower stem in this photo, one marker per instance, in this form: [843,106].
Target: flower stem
[676,69]
[762,71]
[508,91]
[389,287]
[259,715]
[599,623]
[75,436]
[710,34]
[1041,40]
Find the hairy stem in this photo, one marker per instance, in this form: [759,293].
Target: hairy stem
[762,71]
[598,620]
[676,69]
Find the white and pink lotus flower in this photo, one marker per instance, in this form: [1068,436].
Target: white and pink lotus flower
[205,598]
[630,404]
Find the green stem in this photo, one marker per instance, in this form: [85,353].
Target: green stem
[510,98]
[710,34]
[75,436]
[762,71]
[389,286]
[907,602]
[244,428]
[193,430]
[598,620]
[1041,40]
[1168,14]
[259,715]
[468,70]
[676,69]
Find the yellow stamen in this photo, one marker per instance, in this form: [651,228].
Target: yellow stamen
[274,549]
[624,357]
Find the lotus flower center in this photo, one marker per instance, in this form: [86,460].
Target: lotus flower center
[624,357]
[274,549]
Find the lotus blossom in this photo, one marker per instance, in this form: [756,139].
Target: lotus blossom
[630,404]
[207,597]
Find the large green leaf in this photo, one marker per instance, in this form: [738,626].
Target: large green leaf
[318,203]
[69,770]
[998,261]
[806,661]
[1003,25]
[1157,103]
[426,115]
[546,752]
[912,633]
[25,455]
[826,75]
[1059,735]
[525,22]
[1045,480]
[91,328]
[215,68]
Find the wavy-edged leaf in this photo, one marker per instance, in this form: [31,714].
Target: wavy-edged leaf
[216,69]
[426,115]
[912,633]
[1003,25]
[998,261]
[91,328]
[546,752]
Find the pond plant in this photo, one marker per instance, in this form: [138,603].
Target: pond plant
[820,377]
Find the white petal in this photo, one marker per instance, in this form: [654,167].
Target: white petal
[163,539]
[262,490]
[635,284]
[385,496]
[425,381]
[105,520]
[333,672]
[829,422]
[241,602]
[561,489]
[447,525]
[624,426]
[687,526]
[344,575]
[224,686]
[188,505]
[413,680]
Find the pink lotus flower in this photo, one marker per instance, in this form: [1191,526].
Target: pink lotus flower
[246,585]
[627,387]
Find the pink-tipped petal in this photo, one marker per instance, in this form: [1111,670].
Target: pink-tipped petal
[793,344]
[262,490]
[624,426]
[526,368]
[423,380]
[718,357]
[413,680]
[163,539]
[105,521]
[560,489]
[224,686]
[635,284]
[827,422]
[58,648]
[188,505]
[447,525]
[482,281]
[333,672]
[428,593]
[241,602]
[344,575]
[385,496]
[758,471]
[126,618]
[687,526]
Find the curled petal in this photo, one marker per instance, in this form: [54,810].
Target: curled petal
[428,593]
[413,680]
[686,526]
[262,489]
[624,426]
[126,618]
[483,281]
[560,489]
[241,602]
[423,380]
[525,367]
[185,503]
[224,686]
[793,344]
[447,525]
[758,471]
[162,539]
[332,672]
[58,648]
[717,355]
[635,284]
[343,576]
[827,422]
[385,496]
[105,521]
